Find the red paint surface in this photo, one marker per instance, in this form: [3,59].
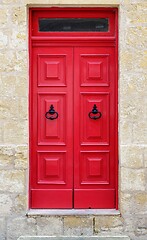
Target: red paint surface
[73,159]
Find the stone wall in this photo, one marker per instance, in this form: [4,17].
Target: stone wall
[14,127]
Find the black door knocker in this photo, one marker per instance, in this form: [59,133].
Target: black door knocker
[51,111]
[95,111]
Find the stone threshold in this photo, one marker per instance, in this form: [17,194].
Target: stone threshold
[71,212]
[74,238]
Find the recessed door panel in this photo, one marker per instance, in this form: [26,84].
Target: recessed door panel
[94,168]
[94,69]
[51,168]
[51,70]
[94,131]
[53,131]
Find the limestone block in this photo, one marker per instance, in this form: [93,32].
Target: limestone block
[6,157]
[4,13]
[132,179]
[131,156]
[136,224]
[19,226]
[3,39]
[20,203]
[143,60]
[23,108]
[133,106]
[133,84]
[49,226]
[140,131]
[126,60]
[9,84]
[2,228]
[108,223]
[125,132]
[136,13]
[18,38]
[78,226]
[12,181]
[135,203]
[9,107]
[10,1]
[12,61]
[21,87]
[19,15]
[5,204]
[145,157]
[136,37]
[21,157]
[16,132]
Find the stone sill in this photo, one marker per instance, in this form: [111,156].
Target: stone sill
[71,212]
[75,238]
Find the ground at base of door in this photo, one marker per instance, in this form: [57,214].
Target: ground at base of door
[74,238]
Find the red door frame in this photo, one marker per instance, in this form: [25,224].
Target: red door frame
[70,39]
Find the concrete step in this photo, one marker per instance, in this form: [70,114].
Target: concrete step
[74,238]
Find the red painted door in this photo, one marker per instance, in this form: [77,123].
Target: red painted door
[94,153]
[73,157]
[52,139]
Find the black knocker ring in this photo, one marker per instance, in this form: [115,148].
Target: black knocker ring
[51,111]
[96,112]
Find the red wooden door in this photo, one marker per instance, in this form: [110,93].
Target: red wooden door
[52,139]
[73,156]
[94,154]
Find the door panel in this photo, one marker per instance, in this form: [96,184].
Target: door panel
[94,159]
[52,132]
[94,69]
[51,69]
[94,168]
[94,132]
[52,139]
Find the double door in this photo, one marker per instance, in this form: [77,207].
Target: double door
[73,127]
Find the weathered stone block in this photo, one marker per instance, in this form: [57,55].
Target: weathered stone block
[4,13]
[78,225]
[12,61]
[2,228]
[16,132]
[3,39]
[135,203]
[132,179]
[126,130]
[19,15]
[49,226]
[21,157]
[12,181]
[140,131]
[5,204]
[107,223]
[20,203]
[9,85]
[132,156]
[136,36]
[20,226]
[6,157]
